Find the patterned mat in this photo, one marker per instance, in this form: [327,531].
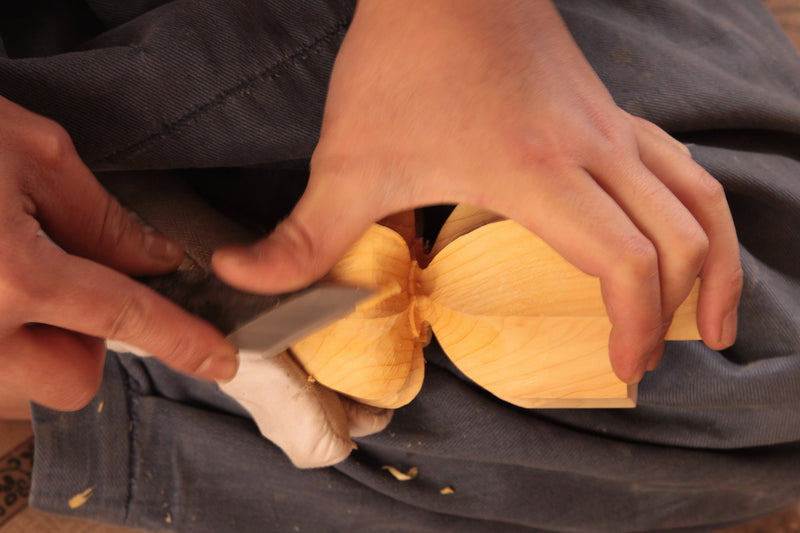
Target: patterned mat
[16,467]
[16,463]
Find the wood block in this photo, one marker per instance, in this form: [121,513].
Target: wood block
[514,316]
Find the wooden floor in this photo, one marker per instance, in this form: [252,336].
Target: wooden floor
[788,14]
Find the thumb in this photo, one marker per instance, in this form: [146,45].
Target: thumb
[304,246]
[76,211]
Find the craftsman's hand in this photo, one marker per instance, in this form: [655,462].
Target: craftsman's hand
[57,306]
[493,104]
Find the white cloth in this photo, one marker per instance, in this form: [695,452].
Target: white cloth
[311,423]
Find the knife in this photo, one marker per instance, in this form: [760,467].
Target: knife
[264,323]
[297,317]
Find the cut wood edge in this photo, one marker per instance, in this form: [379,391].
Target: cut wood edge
[624,402]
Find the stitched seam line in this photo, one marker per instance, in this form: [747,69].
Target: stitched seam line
[132,448]
[270,72]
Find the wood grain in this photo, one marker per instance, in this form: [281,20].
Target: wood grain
[510,313]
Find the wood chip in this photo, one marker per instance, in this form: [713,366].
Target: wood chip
[447,490]
[400,476]
[80,498]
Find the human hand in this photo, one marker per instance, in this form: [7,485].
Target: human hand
[14,406]
[490,104]
[59,302]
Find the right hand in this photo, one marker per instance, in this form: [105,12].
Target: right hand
[57,305]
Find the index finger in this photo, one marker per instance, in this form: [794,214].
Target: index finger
[79,295]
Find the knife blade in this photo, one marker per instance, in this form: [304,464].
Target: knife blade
[297,317]
[267,323]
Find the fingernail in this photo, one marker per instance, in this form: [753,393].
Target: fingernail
[729,327]
[162,248]
[641,368]
[218,367]
[638,374]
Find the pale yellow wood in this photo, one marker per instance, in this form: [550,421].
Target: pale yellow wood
[503,269]
[370,354]
[525,324]
[510,313]
[461,221]
[526,359]
[409,389]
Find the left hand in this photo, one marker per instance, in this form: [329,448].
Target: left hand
[492,104]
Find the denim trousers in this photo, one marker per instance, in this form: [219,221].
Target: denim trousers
[230,93]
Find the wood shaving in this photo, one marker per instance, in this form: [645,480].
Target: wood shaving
[80,498]
[400,476]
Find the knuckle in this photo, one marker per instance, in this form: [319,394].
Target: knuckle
[637,258]
[543,150]
[50,142]
[298,240]
[181,352]
[710,190]
[735,279]
[612,132]
[695,245]
[650,127]
[660,134]
[682,147]
[116,224]
[128,323]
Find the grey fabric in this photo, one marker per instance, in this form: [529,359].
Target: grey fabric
[716,437]
[162,90]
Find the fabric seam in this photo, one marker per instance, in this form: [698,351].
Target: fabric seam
[132,452]
[270,72]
